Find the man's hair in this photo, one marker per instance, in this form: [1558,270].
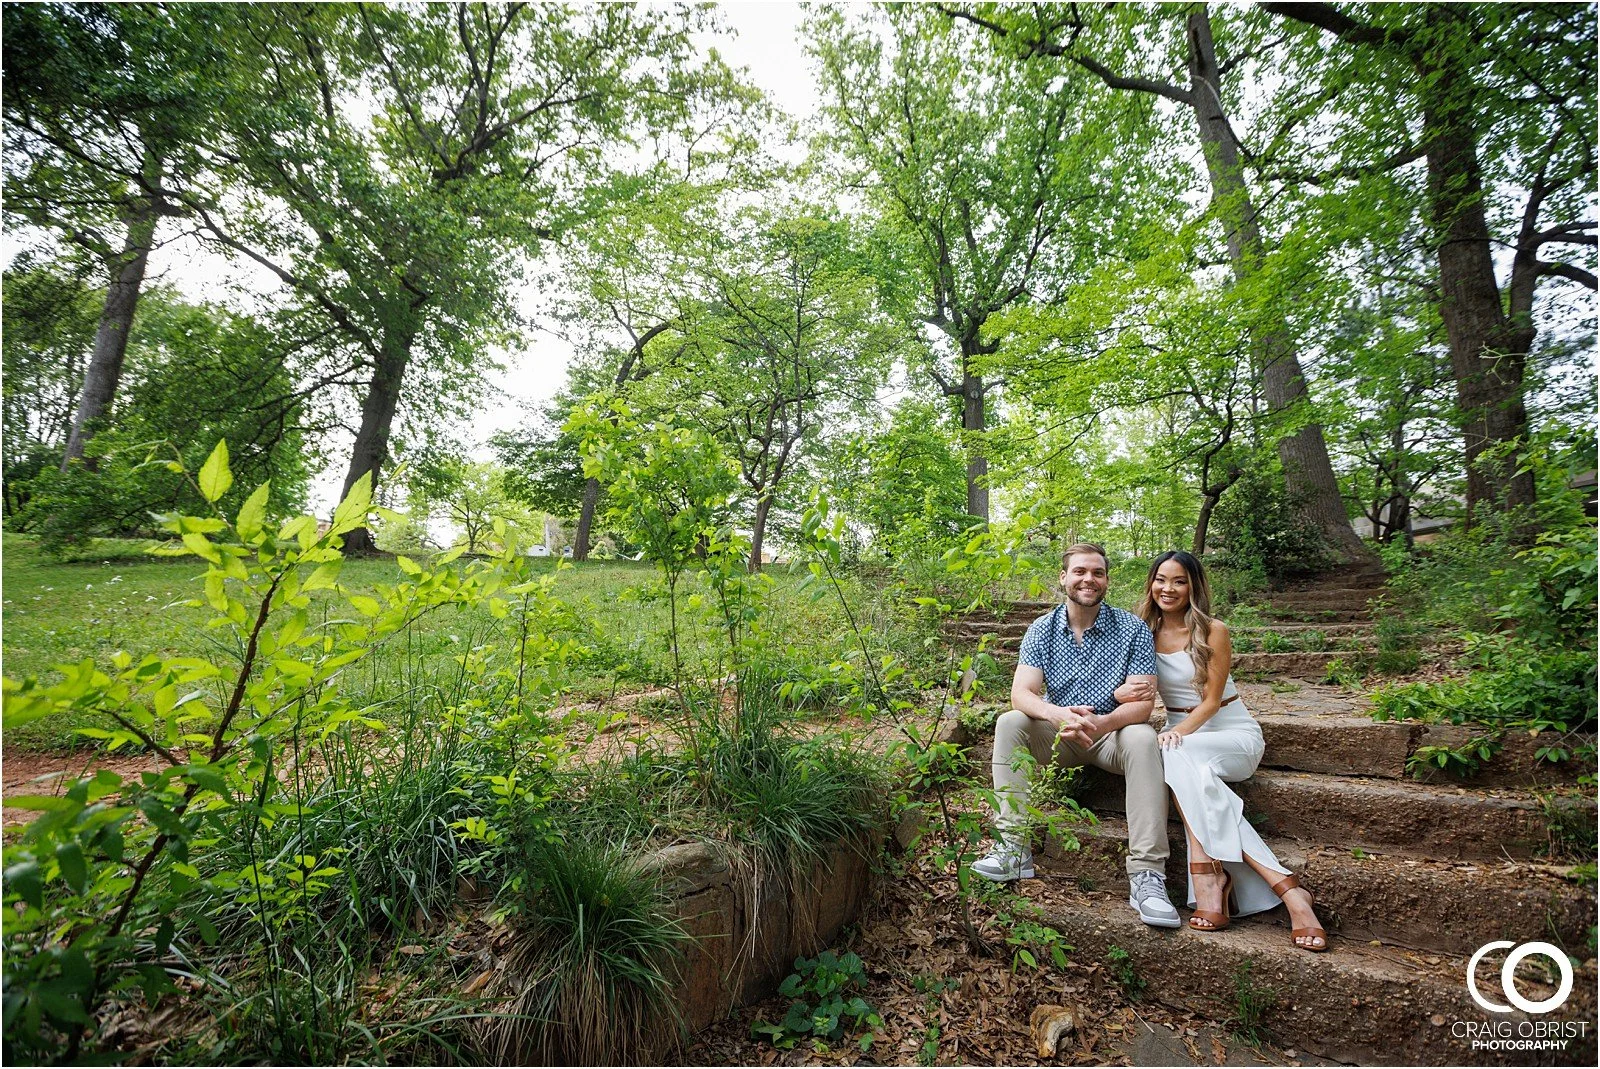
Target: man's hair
[1083,547]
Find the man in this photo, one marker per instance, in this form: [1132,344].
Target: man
[1064,709]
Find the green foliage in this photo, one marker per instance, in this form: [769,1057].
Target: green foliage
[194,374]
[1536,676]
[904,483]
[1123,972]
[238,839]
[822,1004]
[595,940]
[1033,943]
[1252,1005]
[1260,528]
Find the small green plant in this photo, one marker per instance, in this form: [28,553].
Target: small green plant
[1123,972]
[1343,674]
[1251,1003]
[978,719]
[928,1053]
[1461,761]
[1358,853]
[1055,786]
[1314,641]
[822,1005]
[1570,829]
[1276,642]
[1244,643]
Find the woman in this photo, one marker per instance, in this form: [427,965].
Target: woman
[1212,740]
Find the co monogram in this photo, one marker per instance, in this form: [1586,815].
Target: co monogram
[1507,972]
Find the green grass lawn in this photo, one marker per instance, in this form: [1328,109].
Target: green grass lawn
[111,596]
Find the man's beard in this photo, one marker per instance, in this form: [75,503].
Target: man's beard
[1074,595]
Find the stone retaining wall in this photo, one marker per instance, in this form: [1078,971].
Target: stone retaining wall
[748,926]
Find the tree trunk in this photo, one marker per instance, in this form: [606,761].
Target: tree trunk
[582,538]
[972,421]
[371,450]
[1488,352]
[758,530]
[1202,524]
[1307,470]
[111,339]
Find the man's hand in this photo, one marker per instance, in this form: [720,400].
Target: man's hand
[1078,724]
[1137,689]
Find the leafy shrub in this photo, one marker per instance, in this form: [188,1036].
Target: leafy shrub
[821,1004]
[1261,529]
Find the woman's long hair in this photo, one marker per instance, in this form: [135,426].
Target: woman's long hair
[1197,617]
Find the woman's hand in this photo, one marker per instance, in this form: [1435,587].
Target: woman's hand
[1170,740]
[1135,690]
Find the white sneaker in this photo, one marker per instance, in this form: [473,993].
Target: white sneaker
[1147,894]
[1006,863]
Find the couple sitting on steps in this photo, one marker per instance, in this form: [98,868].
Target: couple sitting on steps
[1083,694]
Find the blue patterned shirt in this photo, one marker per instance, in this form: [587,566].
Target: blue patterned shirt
[1117,645]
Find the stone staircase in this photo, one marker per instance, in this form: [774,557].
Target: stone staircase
[1411,877]
[1302,629]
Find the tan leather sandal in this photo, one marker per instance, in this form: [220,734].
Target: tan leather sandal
[1289,883]
[1214,921]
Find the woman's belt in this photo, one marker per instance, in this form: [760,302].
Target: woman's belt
[1226,699]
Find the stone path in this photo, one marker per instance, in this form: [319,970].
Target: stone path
[1411,878]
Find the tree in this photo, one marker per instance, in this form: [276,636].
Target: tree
[194,374]
[903,482]
[989,176]
[469,495]
[1503,100]
[1059,32]
[50,316]
[106,109]
[487,138]
[783,333]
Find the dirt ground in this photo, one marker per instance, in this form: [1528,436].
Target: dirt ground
[941,1004]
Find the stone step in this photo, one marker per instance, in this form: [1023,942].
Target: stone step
[1346,592]
[1416,903]
[1344,745]
[1298,664]
[1317,616]
[1332,632]
[1356,1003]
[1388,816]
[1312,603]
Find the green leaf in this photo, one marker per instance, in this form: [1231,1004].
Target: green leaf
[364,605]
[24,880]
[73,868]
[215,478]
[352,511]
[253,513]
[201,547]
[324,576]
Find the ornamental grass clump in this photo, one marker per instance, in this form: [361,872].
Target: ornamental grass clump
[588,970]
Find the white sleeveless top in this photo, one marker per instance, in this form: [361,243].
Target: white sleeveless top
[1175,682]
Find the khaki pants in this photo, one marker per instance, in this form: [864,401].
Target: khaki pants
[1131,752]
